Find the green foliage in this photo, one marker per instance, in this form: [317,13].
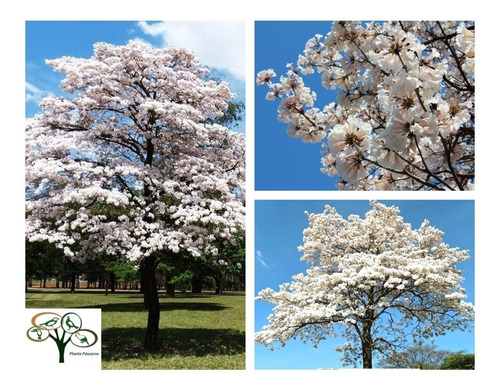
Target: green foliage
[459,360]
[43,259]
[124,272]
[230,260]
[182,280]
[232,115]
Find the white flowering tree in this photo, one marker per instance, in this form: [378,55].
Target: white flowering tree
[375,281]
[130,161]
[403,118]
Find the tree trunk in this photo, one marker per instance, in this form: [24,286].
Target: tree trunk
[170,289]
[72,282]
[151,302]
[367,344]
[196,284]
[142,290]
[112,281]
[218,285]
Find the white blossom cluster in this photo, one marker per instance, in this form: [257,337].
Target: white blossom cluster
[126,163]
[374,274]
[404,117]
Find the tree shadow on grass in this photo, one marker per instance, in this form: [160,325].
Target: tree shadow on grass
[133,302]
[164,307]
[126,343]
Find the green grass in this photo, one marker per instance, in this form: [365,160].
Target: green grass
[197,331]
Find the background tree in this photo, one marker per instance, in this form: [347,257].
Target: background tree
[230,260]
[174,269]
[123,273]
[41,262]
[126,164]
[459,360]
[376,280]
[404,113]
[421,356]
[95,272]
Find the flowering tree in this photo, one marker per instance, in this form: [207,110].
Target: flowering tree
[404,114]
[375,280]
[130,161]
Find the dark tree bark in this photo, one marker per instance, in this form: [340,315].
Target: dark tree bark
[170,289]
[218,285]
[196,284]
[73,283]
[151,302]
[141,290]
[367,344]
[112,281]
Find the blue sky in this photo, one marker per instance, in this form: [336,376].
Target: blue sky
[281,162]
[53,39]
[278,232]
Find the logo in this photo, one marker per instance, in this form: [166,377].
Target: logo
[64,330]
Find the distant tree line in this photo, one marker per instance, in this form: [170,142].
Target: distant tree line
[425,356]
[47,266]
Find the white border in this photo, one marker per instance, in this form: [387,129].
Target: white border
[485,195]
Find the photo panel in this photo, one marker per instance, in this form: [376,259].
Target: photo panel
[135,188]
[364,284]
[359,105]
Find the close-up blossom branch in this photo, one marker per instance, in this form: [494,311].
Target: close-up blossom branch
[408,85]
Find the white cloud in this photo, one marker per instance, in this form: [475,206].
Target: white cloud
[219,45]
[35,94]
[260,258]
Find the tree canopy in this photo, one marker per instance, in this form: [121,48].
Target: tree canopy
[131,136]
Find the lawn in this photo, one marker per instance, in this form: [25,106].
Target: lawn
[197,331]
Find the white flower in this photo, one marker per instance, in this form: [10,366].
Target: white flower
[351,136]
[351,167]
[397,133]
[265,76]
